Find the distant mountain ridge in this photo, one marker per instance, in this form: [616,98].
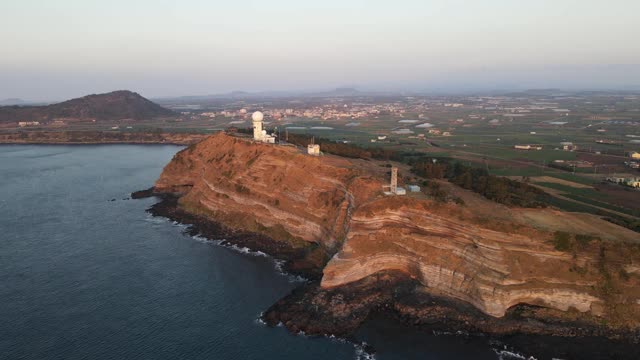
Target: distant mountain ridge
[242,95]
[11,101]
[121,104]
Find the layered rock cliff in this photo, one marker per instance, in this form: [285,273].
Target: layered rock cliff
[333,209]
[489,269]
[276,191]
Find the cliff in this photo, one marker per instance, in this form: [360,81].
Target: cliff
[301,202]
[492,270]
[334,209]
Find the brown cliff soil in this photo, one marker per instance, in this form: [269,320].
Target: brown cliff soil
[277,192]
[481,267]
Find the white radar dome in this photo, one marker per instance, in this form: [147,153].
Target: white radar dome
[257,116]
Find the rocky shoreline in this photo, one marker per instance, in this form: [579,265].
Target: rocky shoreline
[342,310]
[294,258]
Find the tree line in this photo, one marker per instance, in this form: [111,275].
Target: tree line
[499,189]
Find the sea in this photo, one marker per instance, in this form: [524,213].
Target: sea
[87,273]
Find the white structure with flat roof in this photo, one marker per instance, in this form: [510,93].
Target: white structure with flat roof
[313,149]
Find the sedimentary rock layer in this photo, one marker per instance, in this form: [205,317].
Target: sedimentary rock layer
[332,208]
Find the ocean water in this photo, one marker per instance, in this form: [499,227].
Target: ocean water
[86,273]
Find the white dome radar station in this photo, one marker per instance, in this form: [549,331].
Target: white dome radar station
[258,133]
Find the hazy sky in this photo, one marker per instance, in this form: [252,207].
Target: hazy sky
[55,49]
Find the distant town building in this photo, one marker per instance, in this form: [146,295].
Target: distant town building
[572,164]
[568,146]
[632,182]
[527,147]
[617,180]
[28,123]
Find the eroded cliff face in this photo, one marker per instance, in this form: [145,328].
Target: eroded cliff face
[276,191]
[329,203]
[490,269]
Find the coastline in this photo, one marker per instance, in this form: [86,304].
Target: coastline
[95,143]
[341,311]
[98,137]
[294,258]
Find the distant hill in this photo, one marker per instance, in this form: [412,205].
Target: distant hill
[115,105]
[12,101]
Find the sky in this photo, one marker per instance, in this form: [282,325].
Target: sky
[54,50]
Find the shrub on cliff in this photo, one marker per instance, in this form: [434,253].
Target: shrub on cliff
[562,241]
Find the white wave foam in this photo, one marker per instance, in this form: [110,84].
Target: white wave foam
[359,349]
[504,354]
[203,239]
[277,263]
[259,320]
[279,266]
[449,333]
[156,219]
[361,353]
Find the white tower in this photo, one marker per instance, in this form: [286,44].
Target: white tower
[257,126]
[394,179]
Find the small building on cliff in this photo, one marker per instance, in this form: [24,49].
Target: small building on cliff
[313,149]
